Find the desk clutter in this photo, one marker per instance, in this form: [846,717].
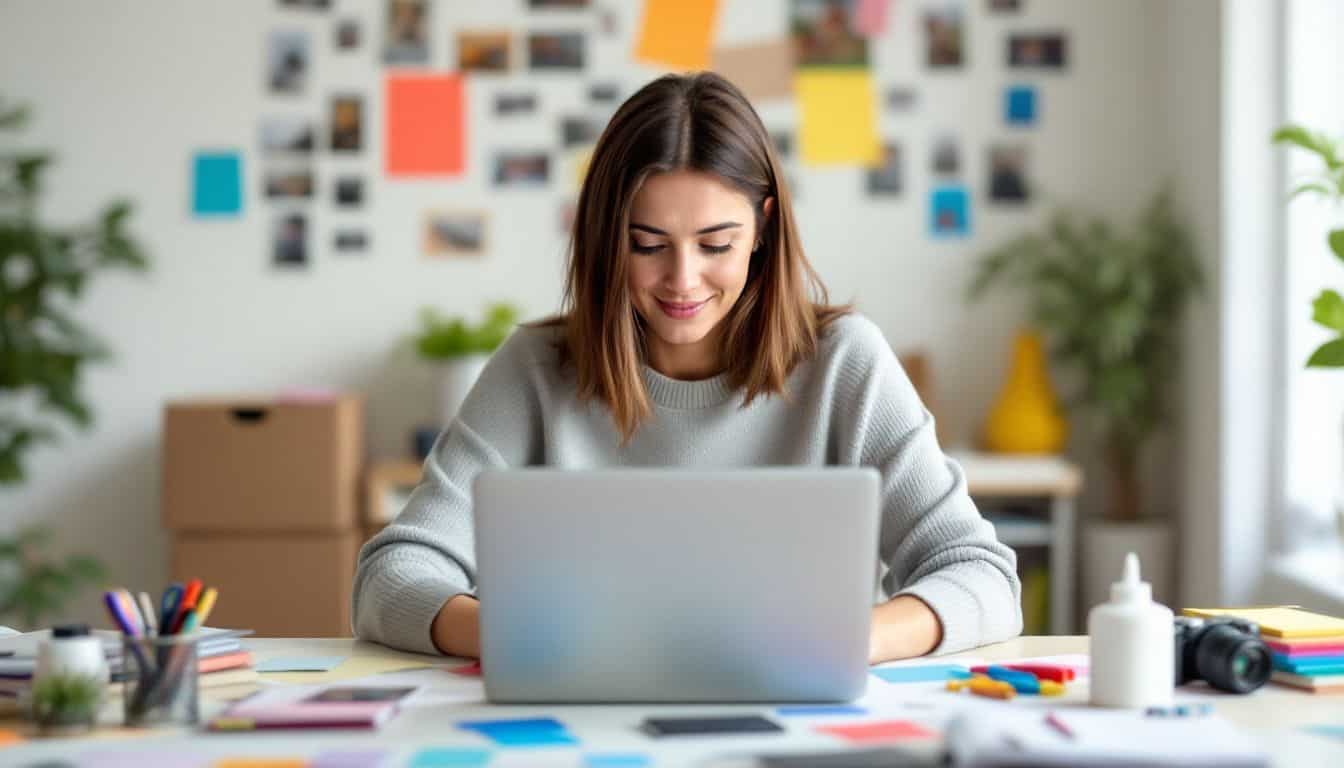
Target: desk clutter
[1306,649]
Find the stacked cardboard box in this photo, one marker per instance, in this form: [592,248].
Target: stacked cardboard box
[262,498]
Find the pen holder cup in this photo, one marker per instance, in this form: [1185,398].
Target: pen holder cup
[160,680]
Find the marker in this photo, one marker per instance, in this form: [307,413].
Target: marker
[190,594]
[147,611]
[196,616]
[1053,721]
[168,608]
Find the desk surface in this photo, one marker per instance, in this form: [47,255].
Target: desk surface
[1274,715]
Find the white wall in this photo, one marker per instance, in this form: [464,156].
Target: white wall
[125,91]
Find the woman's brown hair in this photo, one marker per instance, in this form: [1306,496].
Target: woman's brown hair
[696,122]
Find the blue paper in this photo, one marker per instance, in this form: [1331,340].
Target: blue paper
[830,709]
[929,673]
[299,663]
[449,758]
[949,211]
[217,186]
[1328,731]
[1019,105]
[528,732]
[629,760]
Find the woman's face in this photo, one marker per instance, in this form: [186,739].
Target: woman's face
[690,243]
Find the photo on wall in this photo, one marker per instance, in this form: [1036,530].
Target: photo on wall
[949,211]
[452,234]
[824,34]
[1008,173]
[287,57]
[900,98]
[287,134]
[946,156]
[347,123]
[288,179]
[1004,6]
[406,34]
[783,141]
[944,36]
[511,104]
[579,131]
[555,50]
[347,35]
[884,179]
[484,51]
[306,5]
[1038,51]
[289,240]
[539,4]
[522,169]
[350,241]
[349,192]
[604,93]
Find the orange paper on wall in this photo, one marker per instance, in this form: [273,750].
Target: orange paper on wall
[426,128]
[677,33]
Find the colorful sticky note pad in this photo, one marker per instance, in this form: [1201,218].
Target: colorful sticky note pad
[677,33]
[299,663]
[822,711]
[449,758]
[1019,105]
[838,124]
[927,673]
[527,732]
[949,211]
[878,732]
[425,132]
[217,184]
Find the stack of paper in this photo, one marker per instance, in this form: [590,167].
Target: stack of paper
[1307,648]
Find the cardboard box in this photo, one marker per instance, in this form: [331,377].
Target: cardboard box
[281,584]
[252,465]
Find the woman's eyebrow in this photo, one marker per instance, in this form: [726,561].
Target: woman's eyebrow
[705,231]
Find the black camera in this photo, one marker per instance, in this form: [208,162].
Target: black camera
[1225,651]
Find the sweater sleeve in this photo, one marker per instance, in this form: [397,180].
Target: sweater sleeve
[427,554]
[933,540]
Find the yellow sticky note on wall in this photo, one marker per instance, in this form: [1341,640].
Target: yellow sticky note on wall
[1284,621]
[677,33]
[838,118]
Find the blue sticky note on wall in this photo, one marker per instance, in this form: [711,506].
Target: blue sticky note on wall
[217,184]
[1019,105]
[949,211]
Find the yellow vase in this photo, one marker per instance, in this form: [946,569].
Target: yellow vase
[1026,417]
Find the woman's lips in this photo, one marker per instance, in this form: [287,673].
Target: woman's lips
[681,310]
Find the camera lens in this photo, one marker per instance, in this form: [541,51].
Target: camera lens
[1232,660]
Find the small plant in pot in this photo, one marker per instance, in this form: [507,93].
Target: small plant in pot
[1110,304]
[66,702]
[1327,309]
[460,349]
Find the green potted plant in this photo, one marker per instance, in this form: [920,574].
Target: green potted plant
[1109,304]
[459,349]
[1327,309]
[34,584]
[66,702]
[42,269]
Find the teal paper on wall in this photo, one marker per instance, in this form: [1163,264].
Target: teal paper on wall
[217,185]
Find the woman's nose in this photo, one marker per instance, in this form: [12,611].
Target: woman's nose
[684,275]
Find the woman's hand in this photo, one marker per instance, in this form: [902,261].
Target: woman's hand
[904,626]
[456,630]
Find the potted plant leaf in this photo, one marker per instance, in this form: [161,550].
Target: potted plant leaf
[459,350]
[1109,304]
[1327,309]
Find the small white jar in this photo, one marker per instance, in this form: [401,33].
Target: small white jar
[71,650]
[1132,646]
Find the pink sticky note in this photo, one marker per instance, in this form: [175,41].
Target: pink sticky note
[878,732]
[468,670]
[870,17]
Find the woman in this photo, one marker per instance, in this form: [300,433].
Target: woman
[690,337]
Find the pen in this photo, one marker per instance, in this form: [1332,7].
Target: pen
[190,594]
[196,616]
[151,618]
[1053,721]
[168,608]
[127,624]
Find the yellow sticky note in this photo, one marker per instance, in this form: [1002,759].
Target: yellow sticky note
[1283,621]
[677,33]
[838,120]
[351,668]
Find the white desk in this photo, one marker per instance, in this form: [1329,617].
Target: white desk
[1274,715]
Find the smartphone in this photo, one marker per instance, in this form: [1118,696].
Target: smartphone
[699,726]
[359,693]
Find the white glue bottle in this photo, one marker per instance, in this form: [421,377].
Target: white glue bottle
[1133,647]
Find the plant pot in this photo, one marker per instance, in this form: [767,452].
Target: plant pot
[454,379]
[1105,545]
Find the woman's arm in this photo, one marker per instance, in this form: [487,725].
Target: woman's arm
[457,627]
[945,566]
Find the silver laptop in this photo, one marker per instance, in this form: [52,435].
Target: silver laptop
[634,585]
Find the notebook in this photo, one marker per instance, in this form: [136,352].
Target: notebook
[314,707]
[1283,621]
[1021,736]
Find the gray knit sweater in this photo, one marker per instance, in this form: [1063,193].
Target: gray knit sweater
[851,404]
